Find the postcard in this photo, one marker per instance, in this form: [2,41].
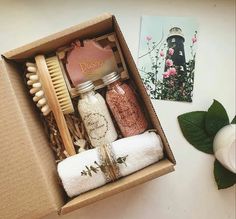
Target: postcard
[167,53]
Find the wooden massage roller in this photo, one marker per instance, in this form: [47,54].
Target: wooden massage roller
[51,94]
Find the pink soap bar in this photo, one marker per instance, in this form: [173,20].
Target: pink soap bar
[89,62]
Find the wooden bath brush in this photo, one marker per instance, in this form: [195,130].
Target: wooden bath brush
[51,94]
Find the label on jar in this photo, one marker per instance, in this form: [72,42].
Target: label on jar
[96,125]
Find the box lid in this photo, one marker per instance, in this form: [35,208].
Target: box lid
[27,177]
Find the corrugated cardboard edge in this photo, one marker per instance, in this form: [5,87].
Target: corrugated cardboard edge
[39,45]
[45,201]
[142,176]
[138,81]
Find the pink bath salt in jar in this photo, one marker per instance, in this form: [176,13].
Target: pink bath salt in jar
[124,106]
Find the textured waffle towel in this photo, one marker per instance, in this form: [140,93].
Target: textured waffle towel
[142,150]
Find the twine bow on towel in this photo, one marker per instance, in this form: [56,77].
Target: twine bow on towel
[111,169]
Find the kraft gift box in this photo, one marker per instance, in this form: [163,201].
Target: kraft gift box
[29,183]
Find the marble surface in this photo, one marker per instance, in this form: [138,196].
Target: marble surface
[190,191]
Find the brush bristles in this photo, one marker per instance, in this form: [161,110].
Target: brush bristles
[59,85]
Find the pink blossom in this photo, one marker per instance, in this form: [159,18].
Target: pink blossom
[166,74]
[194,39]
[148,38]
[171,51]
[169,72]
[172,71]
[162,53]
[169,62]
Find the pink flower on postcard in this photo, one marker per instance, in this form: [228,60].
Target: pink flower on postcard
[169,62]
[162,53]
[171,51]
[194,39]
[148,38]
[172,71]
[166,74]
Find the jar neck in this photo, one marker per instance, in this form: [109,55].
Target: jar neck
[87,94]
[114,84]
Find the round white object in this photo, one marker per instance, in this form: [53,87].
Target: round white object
[224,146]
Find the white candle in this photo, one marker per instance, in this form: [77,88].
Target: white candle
[224,146]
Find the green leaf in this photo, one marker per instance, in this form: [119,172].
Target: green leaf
[223,177]
[193,128]
[234,120]
[216,118]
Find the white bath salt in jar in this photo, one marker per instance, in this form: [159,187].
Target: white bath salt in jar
[95,115]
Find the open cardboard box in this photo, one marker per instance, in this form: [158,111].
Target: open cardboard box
[29,185]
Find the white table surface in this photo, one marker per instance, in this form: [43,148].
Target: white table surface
[190,192]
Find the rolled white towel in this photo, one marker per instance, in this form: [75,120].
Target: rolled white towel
[142,150]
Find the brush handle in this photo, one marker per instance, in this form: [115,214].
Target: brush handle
[53,103]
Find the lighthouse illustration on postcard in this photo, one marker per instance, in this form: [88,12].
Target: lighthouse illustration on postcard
[167,55]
